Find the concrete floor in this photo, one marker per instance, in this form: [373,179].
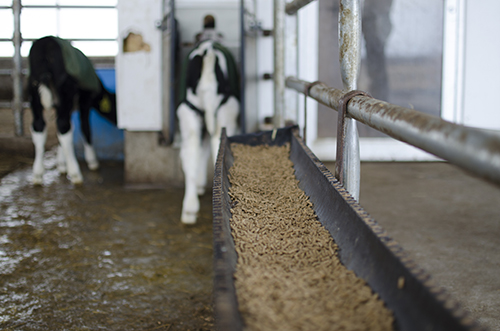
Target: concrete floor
[447,221]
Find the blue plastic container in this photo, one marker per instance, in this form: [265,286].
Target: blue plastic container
[107,139]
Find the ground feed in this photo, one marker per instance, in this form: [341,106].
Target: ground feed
[288,275]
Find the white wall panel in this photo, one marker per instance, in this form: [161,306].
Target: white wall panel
[138,73]
[482,64]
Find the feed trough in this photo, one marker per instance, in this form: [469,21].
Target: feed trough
[363,246]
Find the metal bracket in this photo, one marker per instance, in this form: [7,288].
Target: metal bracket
[307,90]
[341,132]
[308,87]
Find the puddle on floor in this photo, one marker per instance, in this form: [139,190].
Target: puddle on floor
[101,257]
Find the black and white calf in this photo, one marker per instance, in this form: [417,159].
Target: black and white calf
[61,75]
[210,103]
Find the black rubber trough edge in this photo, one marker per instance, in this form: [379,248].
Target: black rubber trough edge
[365,248]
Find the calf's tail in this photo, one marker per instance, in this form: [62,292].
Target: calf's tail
[46,96]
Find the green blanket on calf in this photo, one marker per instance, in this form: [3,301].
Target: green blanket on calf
[232,69]
[79,66]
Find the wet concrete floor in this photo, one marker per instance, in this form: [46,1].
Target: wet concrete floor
[100,256]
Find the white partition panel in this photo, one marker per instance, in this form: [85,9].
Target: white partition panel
[138,65]
[471,70]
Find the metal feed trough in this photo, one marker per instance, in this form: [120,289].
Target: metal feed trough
[364,246]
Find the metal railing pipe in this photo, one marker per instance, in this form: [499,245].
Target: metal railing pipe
[68,7]
[8,105]
[68,39]
[350,42]
[293,7]
[348,169]
[17,102]
[279,63]
[474,150]
[243,125]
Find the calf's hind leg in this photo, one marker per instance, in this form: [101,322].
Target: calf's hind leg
[227,117]
[88,149]
[201,183]
[66,141]
[38,132]
[65,136]
[191,156]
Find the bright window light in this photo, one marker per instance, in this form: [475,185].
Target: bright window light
[67,23]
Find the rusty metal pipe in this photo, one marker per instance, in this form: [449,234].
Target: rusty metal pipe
[350,42]
[348,167]
[474,150]
[293,7]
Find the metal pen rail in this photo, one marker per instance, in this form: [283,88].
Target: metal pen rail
[476,151]
[279,63]
[291,8]
[68,39]
[348,166]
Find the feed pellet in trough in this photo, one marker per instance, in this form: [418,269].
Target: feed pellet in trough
[288,275]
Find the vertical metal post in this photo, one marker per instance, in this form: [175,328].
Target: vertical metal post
[279,63]
[173,64]
[17,102]
[350,59]
[290,68]
[297,66]
[242,68]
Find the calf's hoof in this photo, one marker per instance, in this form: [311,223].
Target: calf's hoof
[62,168]
[37,179]
[188,218]
[93,165]
[76,179]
